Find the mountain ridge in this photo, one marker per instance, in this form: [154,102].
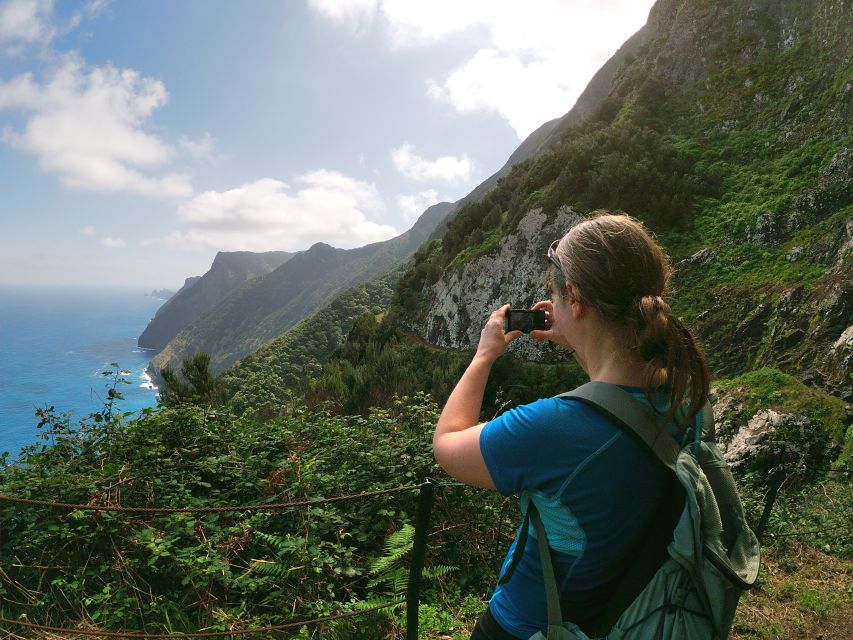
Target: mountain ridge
[262,309]
[199,294]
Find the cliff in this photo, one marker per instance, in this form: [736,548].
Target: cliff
[200,294]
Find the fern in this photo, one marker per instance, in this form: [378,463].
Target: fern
[280,544]
[397,545]
[284,548]
[270,568]
[390,572]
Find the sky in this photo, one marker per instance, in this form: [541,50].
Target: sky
[137,139]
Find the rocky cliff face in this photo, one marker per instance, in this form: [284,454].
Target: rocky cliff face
[685,36]
[462,301]
[761,93]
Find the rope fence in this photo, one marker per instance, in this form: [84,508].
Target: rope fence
[272,506]
[847,525]
[425,503]
[199,634]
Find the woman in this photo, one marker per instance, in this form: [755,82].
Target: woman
[594,486]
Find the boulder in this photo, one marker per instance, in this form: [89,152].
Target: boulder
[749,438]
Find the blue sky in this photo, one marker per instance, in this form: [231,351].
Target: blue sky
[139,138]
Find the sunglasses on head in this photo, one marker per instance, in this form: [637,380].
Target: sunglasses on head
[552,257]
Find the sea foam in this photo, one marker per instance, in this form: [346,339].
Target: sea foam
[148,382]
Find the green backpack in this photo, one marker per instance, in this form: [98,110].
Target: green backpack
[686,577]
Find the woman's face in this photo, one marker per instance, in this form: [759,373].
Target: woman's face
[562,316]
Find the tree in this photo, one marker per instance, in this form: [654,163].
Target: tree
[196,384]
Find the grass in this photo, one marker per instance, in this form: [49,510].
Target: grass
[803,593]
[772,389]
[491,242]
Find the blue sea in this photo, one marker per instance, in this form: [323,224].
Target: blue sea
[54,344]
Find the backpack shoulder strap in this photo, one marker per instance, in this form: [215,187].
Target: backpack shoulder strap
[626,410]
[552,594]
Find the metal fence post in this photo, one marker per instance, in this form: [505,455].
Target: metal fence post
[425,500]
[774,483]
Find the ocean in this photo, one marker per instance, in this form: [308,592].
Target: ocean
[54,344]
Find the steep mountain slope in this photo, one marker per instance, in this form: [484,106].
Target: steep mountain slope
[200,294]
[262,309]
[730,134]
[261,382]
[550,133]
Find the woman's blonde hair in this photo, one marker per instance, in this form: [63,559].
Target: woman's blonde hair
[615,265]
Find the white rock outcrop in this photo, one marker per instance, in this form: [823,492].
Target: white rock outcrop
[749,437]
[515,274]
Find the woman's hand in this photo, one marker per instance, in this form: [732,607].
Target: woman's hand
[493,340]
[550,333]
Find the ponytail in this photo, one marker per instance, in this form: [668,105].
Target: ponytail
[666,343]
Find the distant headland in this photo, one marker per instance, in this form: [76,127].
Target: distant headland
[163,294]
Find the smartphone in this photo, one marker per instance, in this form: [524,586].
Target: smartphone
[525,320]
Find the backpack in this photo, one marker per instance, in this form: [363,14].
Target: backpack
[686,575]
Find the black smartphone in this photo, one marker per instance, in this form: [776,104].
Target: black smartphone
[525,320]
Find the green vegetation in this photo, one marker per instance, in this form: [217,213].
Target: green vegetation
[806,454]
[260,383]
[196,384]
[381,360]
[772,389]
[183,572]
[218,571]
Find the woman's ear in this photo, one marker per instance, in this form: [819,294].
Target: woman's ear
[577,307]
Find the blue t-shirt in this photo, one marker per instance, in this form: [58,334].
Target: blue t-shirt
[595,488]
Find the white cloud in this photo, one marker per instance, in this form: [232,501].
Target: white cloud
[447,168]
[94,7]
[107,241]
[85,124]
[408,23]
[200,149]
[412,206]
[357,15]
[33,21]
[26,20]
[525,95]
[113,243]
[536,59]
[268,215]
